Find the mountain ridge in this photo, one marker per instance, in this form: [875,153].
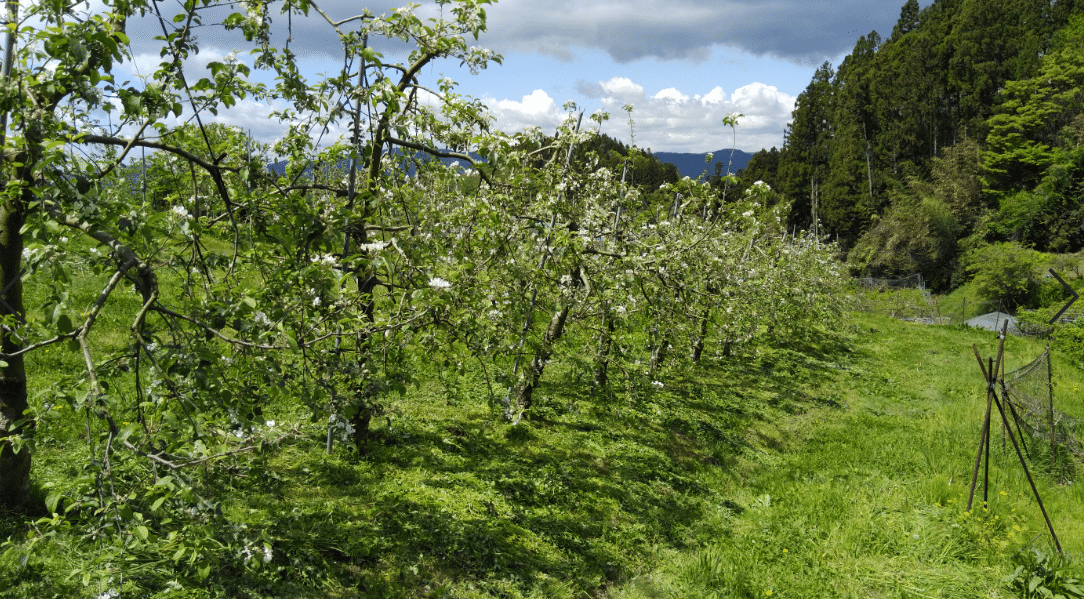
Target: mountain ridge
[691,164]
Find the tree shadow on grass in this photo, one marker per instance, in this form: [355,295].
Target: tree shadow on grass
[578,495]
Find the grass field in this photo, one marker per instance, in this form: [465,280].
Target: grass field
[831,467]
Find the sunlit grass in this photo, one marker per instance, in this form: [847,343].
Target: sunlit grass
[830,467]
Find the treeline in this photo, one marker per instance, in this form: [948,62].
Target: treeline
[963,129]
[640,167]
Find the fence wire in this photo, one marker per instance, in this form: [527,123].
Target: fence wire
[1031,393]
[907,298]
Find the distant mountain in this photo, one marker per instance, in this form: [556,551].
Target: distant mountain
[692,165]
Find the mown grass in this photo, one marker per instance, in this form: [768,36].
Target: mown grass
[830,467]
[872,504]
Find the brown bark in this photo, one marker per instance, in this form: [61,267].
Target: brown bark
[602,363]
[541,358]
[698,345]
[14,465]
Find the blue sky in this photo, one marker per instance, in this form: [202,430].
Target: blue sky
[683,64]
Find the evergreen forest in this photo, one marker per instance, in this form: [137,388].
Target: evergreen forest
[957,137]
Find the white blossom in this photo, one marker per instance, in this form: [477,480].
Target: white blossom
[181,211]
[262,319]
[376,246]
[439,283]
[657,384]
[270,424]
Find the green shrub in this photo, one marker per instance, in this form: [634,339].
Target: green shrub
[1008,272]
[1039,574]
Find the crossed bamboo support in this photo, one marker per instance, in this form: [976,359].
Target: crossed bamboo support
[992,375]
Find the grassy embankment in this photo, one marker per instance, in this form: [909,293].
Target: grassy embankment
[836,467]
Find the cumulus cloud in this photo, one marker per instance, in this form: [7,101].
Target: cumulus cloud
[616,89]
[672,94]
[536,109]
[670,119]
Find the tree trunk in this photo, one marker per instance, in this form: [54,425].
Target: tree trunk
[14,466]
[698,346]
[602,362]
[869,165]
[541,358]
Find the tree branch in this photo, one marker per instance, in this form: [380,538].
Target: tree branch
[438,153]
[145,143]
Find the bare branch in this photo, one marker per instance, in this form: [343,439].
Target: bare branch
[146,143]
[438,153]
[336,24]
[212,330]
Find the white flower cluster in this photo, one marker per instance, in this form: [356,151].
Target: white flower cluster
[181,211]
[344,428]
[262,319]
[328,259]
[758,188]
[375,246]
[254,10]
[439,283]
[265,553]
[478,58]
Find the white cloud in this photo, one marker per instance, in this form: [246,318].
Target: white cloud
[715,95]
[535,110]
[538,102]
[670,120]
[622,89]
[672,94]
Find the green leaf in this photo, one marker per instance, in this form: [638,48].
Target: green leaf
[64,324]
[131,103]
[142,533]
[52,500]
[126,431]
